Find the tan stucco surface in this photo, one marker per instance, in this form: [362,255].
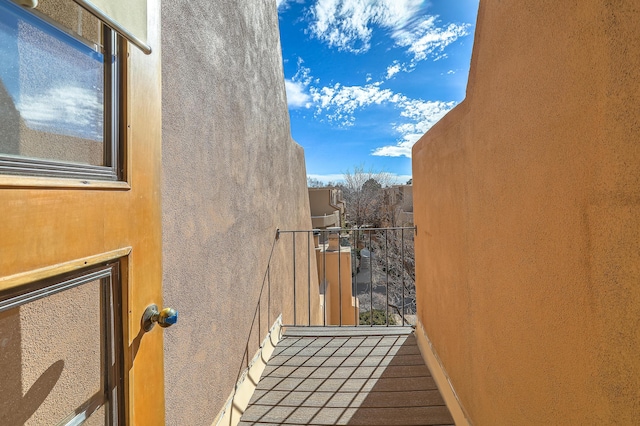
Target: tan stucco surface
[320,201]
[231,177]
[527,203]
[51,357]
[335,280]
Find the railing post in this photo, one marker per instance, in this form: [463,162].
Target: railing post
[324,277]
[403,270]
[309,274]
[295,317]
[370,281]
[340,277]
[394,263]
[354,290]
[386,252]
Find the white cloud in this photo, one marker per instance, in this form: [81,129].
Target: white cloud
[401,149]
[335,177]
[425,39]
[339,104]
[393,69]
[347,24]
[349,98]
[426,113]
[284,4]
[339,177]
[303,74]
[296,97]
[400,179]
[281,4]
[68,110]
[297,86]
[423,116]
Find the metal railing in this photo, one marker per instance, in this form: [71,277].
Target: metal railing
[384,286]
[363,276]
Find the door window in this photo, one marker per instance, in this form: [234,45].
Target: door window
[59,97]
[60,351]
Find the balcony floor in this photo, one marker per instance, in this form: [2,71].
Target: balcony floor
[347,376]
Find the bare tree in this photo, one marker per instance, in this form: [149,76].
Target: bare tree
[362,192]
[389,284]
[317,183]
[393,263]
[392,258]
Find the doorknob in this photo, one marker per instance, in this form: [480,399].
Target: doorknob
[165,318]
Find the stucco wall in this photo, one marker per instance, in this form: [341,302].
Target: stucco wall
[407,198]
[320,201]
[527,201]
[232,176]
[335,280]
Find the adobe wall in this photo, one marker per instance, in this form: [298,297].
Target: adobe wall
[320,201]
[232,176]
[527,203]
[334,270]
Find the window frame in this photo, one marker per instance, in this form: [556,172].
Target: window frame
[112,358]
[113,134]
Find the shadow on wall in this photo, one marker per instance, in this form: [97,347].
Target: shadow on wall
[53,366]
[16,408]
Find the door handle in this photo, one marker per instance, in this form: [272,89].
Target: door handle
[165,318]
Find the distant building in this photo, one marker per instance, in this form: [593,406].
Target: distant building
[339,303]
[327,207]
[397,205]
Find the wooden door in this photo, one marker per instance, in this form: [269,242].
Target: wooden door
[53,226]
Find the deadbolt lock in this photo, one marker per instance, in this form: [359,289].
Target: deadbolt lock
[165,318]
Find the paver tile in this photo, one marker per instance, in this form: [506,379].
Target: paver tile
[314,378]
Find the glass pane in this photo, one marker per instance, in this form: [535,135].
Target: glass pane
[74,19]
[51,92]
[97,418]
[51,357]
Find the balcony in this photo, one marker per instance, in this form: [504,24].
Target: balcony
[347,376]
[326,220]
[327,207]
[348,354]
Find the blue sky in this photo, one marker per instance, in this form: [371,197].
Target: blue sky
[366,78]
